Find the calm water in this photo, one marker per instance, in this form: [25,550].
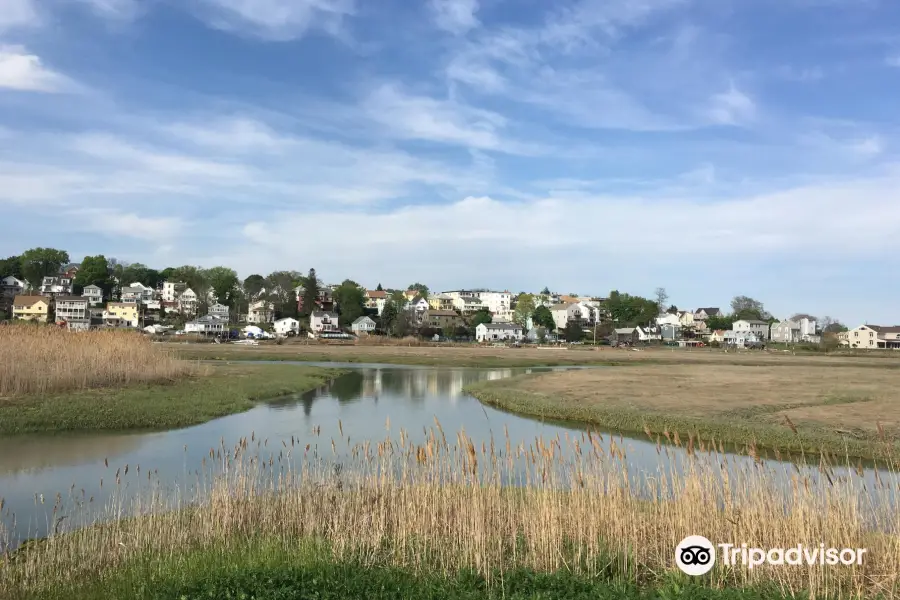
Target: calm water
[35,469]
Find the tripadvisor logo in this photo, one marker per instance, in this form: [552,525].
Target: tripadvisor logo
[696,555]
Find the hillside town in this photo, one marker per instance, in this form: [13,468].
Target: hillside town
[101,293]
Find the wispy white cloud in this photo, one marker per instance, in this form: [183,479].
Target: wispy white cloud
[121,10]
[18,13]
[277,19]
[893,60]
[23,71]
[455,16]
[732,107]
[802,75]
[115,223]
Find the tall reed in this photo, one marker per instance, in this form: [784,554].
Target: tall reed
[38,359]
[439,503]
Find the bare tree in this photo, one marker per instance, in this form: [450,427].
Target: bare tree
[661,298]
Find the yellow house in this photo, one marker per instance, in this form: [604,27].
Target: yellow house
[31,308]
[123,312]
[440,302]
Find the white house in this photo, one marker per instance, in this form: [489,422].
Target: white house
[702,314]
[499,332]
[188,302]
[56,286]
[207,324]
[872,337]
[261,312]
[649,334]
[759,328]
[789,331]
[418,304]
[363,326]
[741,338]
[11,287]
[219,310]
[132,295]
[93,294]
[668,319]
[563,313]
[286,326]
[172,290]
[322,322]
[376,299]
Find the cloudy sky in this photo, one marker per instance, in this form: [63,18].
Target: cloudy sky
[714,147]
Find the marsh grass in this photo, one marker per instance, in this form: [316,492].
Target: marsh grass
[439,504]
[38,359]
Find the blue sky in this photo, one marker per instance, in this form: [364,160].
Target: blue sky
[713,147]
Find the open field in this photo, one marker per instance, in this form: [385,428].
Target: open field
[439,519]
[213,391]
[489,357]
[788,407]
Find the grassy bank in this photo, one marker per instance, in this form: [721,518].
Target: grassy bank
[847,411]
[209,392]
[438,518]
[489,357]
[265,568]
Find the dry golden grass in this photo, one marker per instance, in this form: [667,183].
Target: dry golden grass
[38,359]
[414,352]
[555,504]
[842,397]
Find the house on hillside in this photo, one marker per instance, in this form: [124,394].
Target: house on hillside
[56,286]
[499,332]
[93,294]
[375,300]
[121,314]
[10,287]
[702,314]
[31,308]
[442,319]
[758,328]
[70,270]
[172,290]
[363,326]
[624,335]
[564,314]
[74,311]
[219,310]
[440,302]
[188,302]
[649,334]
[324,322]
[788,332]
[872,337]
[261,311]
[286,326]
[207,325]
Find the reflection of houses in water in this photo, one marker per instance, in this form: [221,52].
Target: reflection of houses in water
[419,384]
[373,385]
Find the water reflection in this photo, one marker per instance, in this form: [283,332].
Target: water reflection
[367,404]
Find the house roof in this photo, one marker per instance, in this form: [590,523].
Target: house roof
[885,328]
[71,299]
[283,319]
[362,319]
[562,306]
[625,330]
[93,287]
[121,304]
[29,300]
[708,310]
[753,321]
[501,326]
[442,313]
[321,313]
[376,294]
[569,299]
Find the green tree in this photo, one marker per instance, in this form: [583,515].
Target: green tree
[672,310]
[351,300]
[166,274]
[542,317]
[224,284]
[94,271]
[11,267]
[716,323]
[525,304]
[483,315]
[280,290]
[745,307]
[421,288]
[573,332]
[140,273]
[38,263]
[631,310]
[379,288]
[254,285]
[310,293]
[545,291]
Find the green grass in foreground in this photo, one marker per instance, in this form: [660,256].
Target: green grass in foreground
[737,428]
[225,390]
[306,571]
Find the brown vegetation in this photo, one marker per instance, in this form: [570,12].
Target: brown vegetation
[448,505]
[37,359]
